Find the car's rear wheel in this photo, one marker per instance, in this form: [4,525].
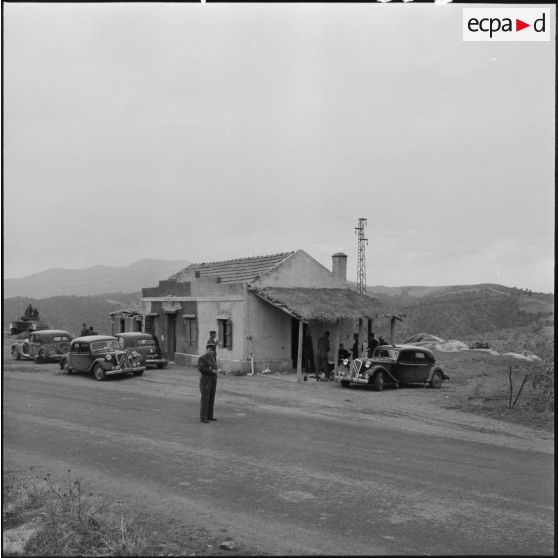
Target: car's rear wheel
[378,381]
[99,373]
[15,354]
[345,383]
[436,380]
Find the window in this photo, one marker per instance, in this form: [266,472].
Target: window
[225,334]
[420,358]
[191,331]
[407,358]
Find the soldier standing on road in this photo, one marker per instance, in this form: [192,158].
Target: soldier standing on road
[207,365]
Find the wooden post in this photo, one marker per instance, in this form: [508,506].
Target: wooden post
[336,347]
[392,331]
[360,336]
[299,353]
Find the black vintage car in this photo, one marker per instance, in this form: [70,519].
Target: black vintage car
[42,346]
[146,345]
[101,355]
[392,365]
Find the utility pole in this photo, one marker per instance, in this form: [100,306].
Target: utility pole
[361,259]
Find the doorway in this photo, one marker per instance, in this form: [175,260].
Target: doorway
[171,336]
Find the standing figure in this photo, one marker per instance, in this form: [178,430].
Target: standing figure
[355,345]
[323,350]
[382,341]
[207,365]
[308,362]
[212,340]
[372,344]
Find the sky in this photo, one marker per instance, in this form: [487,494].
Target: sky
[211,132]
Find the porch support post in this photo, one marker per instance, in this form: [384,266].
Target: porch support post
[360,336]
[336,346]
[299,353]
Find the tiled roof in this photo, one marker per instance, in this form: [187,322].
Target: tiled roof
[234,271]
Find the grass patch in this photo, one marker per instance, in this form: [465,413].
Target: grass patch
[73,522]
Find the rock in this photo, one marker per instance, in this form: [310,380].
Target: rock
[14,540]
[227,545]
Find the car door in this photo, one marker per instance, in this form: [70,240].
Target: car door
[422,366]
[404,369]
[32,348]
[78,357]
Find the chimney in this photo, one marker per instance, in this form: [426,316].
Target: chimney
[339,265]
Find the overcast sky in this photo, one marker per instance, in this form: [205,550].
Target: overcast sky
[209,132]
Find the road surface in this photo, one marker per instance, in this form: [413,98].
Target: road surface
[288,468]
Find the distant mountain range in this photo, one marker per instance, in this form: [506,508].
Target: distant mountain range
[94,280]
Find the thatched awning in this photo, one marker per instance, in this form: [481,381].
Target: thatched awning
[325,305]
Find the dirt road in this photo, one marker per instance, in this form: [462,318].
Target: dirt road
[290,468]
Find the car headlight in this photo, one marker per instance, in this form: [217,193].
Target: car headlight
[345,361]
[108,357]
[135,354]
[367,364]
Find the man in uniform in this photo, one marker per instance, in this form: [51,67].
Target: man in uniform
[212,340]
[207,365]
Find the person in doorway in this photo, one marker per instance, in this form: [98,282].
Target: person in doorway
[308,362]
[207,365]
[372,344]
[354,349]
[323,350]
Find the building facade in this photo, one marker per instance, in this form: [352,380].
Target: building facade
[258,307]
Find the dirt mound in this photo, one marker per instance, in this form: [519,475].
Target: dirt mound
[423,339]
[523,355]
[452,346]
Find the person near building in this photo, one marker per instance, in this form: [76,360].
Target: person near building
[343,353]
[354,349]
[308,362]
[84,330]
[372,344]
[323,350]
[382,341]
[212,339]
[207,365]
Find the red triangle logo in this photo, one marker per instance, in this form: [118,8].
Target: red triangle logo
[519,25]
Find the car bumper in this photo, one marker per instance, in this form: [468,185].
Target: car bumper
[344,377]
[156,361]
[124,370]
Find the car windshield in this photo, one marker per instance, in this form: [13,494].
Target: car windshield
[60,338]
[390,354]
[106,345]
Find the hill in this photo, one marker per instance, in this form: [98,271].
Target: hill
[94,280]
[509,319]
[69,312]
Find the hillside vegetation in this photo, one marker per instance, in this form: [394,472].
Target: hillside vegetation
[508,319]
[69,312]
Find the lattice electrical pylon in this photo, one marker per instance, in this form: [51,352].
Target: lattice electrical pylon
[361,259]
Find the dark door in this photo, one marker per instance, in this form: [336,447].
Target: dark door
[171,336]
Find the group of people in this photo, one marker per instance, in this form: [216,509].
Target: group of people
[30,314]
[87,330]
[323,346]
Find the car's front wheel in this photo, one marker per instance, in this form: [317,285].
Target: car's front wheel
[378,381]
[99,373]
[345,383]
[66,367]
[15,354]
[161,365]
[138,372]
[436,380]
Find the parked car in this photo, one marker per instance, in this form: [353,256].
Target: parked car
[394,365]
[42,346]
[102,355]
[146,345]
